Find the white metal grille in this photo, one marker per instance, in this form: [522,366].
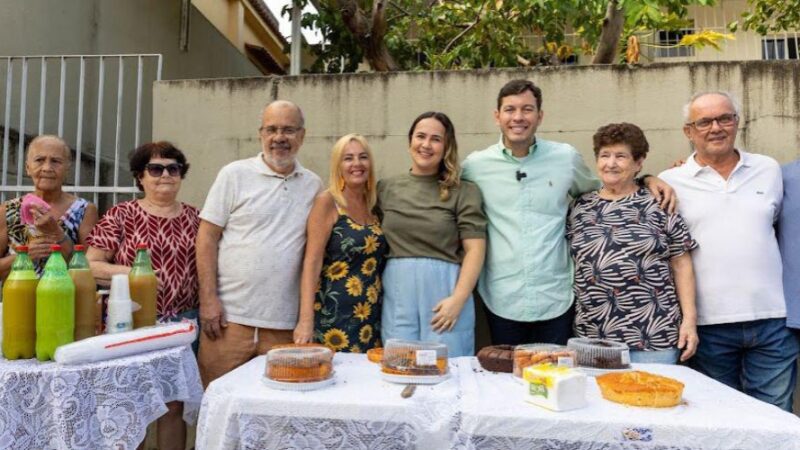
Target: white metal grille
[111,91]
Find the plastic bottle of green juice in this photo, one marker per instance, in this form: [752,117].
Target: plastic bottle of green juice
[55,306]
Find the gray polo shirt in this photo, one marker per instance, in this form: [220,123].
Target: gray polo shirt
[261,251]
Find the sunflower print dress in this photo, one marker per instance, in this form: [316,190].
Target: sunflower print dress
[347,308]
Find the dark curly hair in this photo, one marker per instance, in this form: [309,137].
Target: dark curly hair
[621,133]
[141,156]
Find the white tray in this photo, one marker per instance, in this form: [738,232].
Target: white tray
[414,379]
[287,386]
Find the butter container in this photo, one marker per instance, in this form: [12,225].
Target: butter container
[554,388]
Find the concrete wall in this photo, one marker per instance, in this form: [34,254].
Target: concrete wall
[216,121]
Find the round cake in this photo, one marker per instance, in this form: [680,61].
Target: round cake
[299,363]
[530,354]
[414,358]
[375,354]
[637,388]
[497,358]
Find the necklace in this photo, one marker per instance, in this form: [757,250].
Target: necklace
[170,211]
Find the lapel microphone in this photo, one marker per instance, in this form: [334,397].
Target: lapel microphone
[521,175]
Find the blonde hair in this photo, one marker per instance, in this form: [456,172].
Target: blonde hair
[449,174]
[336,179]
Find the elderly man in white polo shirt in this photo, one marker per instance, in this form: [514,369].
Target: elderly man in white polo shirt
[730,200]
[250,246]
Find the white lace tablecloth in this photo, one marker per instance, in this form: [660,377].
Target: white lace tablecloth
[103,405]
[713,416]
[476,409]
[360,411]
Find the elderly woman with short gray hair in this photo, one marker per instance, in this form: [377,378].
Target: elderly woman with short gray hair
[53,216]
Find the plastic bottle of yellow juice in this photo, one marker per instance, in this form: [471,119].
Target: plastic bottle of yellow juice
[144,288]
[85,294]
[19,308]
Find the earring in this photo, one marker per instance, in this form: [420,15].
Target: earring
[341,184]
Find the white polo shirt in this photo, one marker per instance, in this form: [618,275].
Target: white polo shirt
[737,265]
[261,250]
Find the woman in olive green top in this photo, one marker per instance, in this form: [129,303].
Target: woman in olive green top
[436,231]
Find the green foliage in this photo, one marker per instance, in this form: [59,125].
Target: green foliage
[489,33]
[767,16]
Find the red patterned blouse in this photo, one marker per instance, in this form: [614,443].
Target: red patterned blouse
[172,251]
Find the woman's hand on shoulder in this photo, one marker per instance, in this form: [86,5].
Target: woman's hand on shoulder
[663,193]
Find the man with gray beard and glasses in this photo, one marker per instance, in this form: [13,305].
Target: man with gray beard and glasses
[250,247]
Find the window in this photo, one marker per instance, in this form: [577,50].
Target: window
[672,38]
[779,48]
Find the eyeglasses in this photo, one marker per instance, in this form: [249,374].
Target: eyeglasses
[273,131]
[156,170]
[706,123]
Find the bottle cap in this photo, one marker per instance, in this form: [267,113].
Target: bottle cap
[142,245]
[55,248]
[79,247]
[22,249]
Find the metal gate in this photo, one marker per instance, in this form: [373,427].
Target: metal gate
[100,104]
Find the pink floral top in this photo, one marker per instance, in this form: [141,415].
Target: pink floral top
[172,253]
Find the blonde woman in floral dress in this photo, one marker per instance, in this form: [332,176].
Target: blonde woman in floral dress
[340,288]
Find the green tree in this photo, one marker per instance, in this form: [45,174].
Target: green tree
[440,34]
[765,16]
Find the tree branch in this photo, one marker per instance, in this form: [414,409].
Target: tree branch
[465,30]
[609,37]
[399,8]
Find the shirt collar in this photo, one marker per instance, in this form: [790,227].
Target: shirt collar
[694,167]
[267,170]
[507,153]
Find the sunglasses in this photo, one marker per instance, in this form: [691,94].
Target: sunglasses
[156,170]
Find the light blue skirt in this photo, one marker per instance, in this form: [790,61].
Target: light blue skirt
[411,288]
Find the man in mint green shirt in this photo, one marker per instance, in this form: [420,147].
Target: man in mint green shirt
[527,185]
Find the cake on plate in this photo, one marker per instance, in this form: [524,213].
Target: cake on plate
[532,354]
[414,358]
[638,388]
[497,358]
[299,363]
[600,353]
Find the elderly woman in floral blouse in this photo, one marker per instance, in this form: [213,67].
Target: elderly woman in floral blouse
[634,281]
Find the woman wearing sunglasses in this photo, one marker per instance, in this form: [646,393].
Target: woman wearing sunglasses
[169,227]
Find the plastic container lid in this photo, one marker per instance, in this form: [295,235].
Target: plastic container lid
[600,353]
[406,357]
[299,364]
[55,248]
[79,247]
[530,354]
[22,248]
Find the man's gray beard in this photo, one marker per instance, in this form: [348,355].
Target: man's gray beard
[283,164]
